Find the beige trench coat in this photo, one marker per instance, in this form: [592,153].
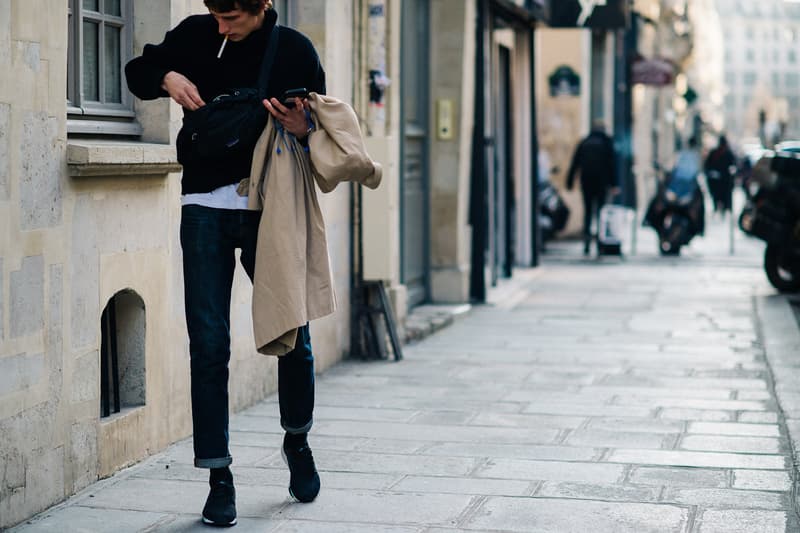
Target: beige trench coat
[293,283]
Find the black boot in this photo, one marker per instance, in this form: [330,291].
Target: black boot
[220,508]
[303,480]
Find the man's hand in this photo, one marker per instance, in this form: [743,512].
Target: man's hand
[292,119]
[182,90]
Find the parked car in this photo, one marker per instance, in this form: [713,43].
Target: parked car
[762,174]
[772,214]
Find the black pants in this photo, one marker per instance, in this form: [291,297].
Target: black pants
[209,238]
[592,202]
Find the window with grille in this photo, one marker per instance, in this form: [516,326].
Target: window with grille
[100,43]
[122,353]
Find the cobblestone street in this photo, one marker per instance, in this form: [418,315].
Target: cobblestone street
[594,396]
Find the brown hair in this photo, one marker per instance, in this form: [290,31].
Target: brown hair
[253,7]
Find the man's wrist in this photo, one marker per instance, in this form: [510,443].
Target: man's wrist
[164,80]
[306,133]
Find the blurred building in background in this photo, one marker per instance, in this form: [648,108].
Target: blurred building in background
[676,83]
[582,80]
[762,68]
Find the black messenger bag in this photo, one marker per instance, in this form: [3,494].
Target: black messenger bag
[231,123]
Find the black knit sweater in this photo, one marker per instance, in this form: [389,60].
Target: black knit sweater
[191,49]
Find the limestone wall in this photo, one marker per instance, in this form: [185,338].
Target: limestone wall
[74,235]
[452,80]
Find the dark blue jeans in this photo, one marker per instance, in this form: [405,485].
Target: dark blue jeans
[209,238]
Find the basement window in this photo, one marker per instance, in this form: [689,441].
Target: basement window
[122,353]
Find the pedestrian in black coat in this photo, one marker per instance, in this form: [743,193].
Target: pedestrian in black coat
[595,159]
[719,177]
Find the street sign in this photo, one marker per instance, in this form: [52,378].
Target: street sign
[600,14]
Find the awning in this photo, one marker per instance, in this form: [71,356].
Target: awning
[656,71]
[527,12]
[596,14]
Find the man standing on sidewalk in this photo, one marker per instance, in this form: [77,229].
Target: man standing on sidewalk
[200,59]
[595,159]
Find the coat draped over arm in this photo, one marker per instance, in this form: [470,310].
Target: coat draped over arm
[293,282]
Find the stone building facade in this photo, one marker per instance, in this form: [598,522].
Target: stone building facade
[90,260]
[761,57]
[89,220]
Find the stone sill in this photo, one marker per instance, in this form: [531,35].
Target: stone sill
[120,158]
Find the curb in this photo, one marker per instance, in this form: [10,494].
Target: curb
[780,336]
[425,320]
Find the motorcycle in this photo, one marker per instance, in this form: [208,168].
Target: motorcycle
[553,212]
[677,214]
[772,214]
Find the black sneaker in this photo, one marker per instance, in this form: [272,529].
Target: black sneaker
[220,509]
[303,479]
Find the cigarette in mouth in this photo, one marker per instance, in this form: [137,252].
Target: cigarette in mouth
[222,47]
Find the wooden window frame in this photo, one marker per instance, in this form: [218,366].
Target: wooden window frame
[99,117]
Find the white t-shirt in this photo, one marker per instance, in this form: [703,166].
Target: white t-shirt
[224,197]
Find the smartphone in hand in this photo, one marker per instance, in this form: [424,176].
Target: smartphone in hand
[288,97]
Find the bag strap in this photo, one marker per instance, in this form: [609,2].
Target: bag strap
[269,59]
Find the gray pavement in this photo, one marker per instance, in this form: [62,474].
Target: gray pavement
[630,395]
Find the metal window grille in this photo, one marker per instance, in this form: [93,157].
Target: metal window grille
[109,362]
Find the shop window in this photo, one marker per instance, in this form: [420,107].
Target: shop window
[122,353]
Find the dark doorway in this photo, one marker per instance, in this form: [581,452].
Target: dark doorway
[414,198]
[504,208]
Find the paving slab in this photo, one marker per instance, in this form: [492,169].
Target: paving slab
[526,515]
[726,443]
[726,498]
[734,521]
[698,459]
[79,519]
[762,480]
[388,508]
[609,492]
[642,395]
[679,477]
[750,430]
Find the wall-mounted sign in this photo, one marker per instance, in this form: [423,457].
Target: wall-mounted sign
[564,81]
[656,71]
[601,14]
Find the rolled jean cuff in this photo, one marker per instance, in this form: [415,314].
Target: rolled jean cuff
[295,431]
[218,462]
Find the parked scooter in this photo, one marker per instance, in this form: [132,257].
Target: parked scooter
[772,214]
[677,214]
[553,211]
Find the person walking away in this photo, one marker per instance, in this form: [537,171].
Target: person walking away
[687,165]
[203,57]
[595,160]
[717,168]
[683,181]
